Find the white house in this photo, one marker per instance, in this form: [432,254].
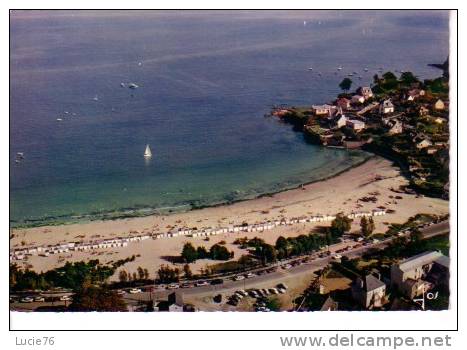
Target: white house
[439,105]
[424,143]
[358,99]
[365,91]
[369,291]
[355,124]
[322,109]
[386,107]
[339,121]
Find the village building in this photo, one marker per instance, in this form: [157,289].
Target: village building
[358,99]
[414,94]
[338,121]
[369,291]
[420,273]
[322,109]
[329,305]
[365,91]
[386,107]
[439,105]
[355,124]
[343,103]
[423,111]
[424,143]
[174,303]
[439,120]
[395,126]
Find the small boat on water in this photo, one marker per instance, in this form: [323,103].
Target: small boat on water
[310,68]
[366,69]
[147,152]
[122,84]
[20,154]
[339,68]
[96,98]
[133,86]
[59,119]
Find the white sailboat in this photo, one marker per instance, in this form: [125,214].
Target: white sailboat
[147,152]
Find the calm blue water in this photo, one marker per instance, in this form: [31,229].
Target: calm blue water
[206,80]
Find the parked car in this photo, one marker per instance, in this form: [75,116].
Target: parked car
[186,285]
[27,300]
[253,293]
[135,291]
[238,296]
[233,302]
[173,286]
[286,266]
[39,299]
[65,298]
[121,292]
[282,286]
[239,278]
[217,281]
[201,283]
[250,275]
[242,292]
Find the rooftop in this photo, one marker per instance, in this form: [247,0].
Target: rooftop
[423,259]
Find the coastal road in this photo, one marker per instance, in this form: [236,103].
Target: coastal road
[272,279]
[266,280]
[435,229]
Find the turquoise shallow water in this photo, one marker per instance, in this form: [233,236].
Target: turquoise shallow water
[206,80]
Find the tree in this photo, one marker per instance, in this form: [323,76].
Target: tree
[340,225]
[407,78]
[123,276]
[273,304]
[168,275]
[416,236]
[202,253]
[187,271]
[282,247]
[389,76]
[146,274]
[97,299]
[345,84]
[376,79]
[367,226]
[140,272]
[267,253]
[219,252]
[189,253]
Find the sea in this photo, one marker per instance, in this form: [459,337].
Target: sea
[206,81]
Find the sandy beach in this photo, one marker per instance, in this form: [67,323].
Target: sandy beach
[338,194]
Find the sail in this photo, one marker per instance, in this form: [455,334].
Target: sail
[147,152]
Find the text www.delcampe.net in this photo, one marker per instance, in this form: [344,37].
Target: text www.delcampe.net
[352,340]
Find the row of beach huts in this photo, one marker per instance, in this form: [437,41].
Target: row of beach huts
[45,251]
